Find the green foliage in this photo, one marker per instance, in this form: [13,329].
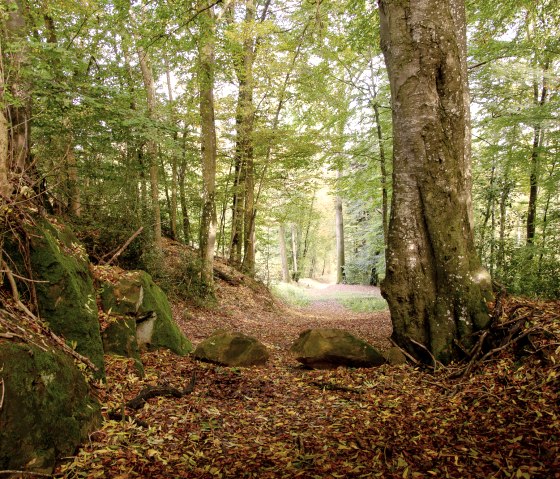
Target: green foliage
[365,305]
[291,294]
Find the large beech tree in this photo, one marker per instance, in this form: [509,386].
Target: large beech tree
[435,285]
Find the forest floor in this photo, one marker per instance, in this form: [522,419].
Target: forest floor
[282,421]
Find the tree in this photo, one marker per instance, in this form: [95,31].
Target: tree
[435,285]
[208,222]
[17,111]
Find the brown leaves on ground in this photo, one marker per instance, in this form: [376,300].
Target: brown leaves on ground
[280,421]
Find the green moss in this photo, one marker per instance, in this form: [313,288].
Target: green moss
[66,294]
[47,409]
[137,294]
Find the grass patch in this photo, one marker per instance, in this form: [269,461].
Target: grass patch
[364,305]
[290,294]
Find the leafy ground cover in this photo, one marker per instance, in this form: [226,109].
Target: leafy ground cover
[281,421]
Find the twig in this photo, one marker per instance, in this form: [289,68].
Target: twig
[406,353]
[11,336]
[504,346]
[475,351]
[435,361]
[124,246]
[11,280]
[24,473]
[3,391]
[335,387]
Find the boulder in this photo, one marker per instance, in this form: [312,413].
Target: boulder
[231,349]
[119,338]
[329,348]
[135,295]
[47,409]
[64,286]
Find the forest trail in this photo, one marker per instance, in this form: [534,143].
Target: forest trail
[329,297]
[282,421]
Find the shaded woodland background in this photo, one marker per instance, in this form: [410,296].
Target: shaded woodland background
[302,115]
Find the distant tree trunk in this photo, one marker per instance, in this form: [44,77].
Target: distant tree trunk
[382,156]
[435,285]
[384,177]
[283,254]
[295,272]
[151,146]
[236,243]
[18,112]
[538,134]
[182,192]
[246,128]
[74,196]
[5,188]
[208,221]
[173,206]
[340,262]
[66,141]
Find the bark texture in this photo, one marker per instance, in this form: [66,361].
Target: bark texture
[340,262]
[18,112]
[208,221]
[283,254]
[151,146]
[435,285]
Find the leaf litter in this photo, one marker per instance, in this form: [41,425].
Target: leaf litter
[282,421]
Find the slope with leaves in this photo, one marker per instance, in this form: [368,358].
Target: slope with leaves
[283,421]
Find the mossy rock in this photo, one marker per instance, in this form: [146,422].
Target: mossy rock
[137,295]
[65,291]
[231,349]
[329,348]
[47,409]
[119,338]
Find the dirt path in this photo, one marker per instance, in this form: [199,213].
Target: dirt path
[326,298]
[281,421]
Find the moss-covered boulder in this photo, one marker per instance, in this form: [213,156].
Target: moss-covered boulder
[47,410]
[330,348]
[231,349]
[136,295]
[64,287]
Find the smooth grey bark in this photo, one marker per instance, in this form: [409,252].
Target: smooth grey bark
[340,276]
[283,254]
[208,223]
[173,202]
[435,285]
[151,146]
[295,273]
[18,111]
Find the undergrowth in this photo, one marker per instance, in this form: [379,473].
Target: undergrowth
[291,294]
[364,304]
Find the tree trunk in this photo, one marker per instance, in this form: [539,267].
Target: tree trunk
[295,272]
[435,285]
[18,113]
[173,207]
[151,146]
[182,193]
[538,134]
[340,274]
[242,252]
[384,179]
[5,188]
[208,148]
[283,254]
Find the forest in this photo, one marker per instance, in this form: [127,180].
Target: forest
[170,171]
